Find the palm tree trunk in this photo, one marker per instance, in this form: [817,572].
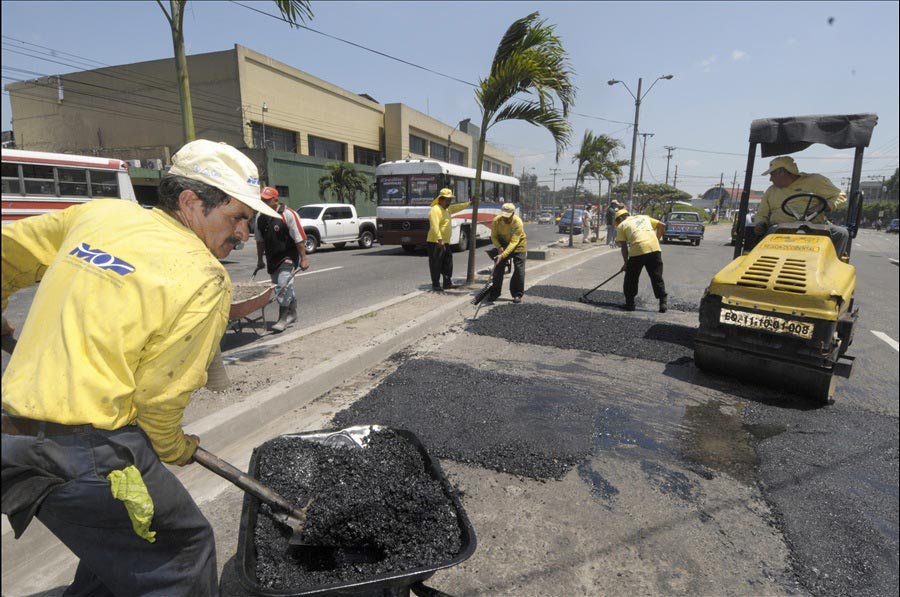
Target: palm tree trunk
[181,70]
[470,270]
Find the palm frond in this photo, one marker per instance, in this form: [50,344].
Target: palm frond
[512,39]
[295,12]
[551,119]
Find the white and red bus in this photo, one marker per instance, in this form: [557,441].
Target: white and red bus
[406,189]
[35,182]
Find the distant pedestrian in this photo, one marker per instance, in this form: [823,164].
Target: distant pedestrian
[878,224]
[586,221]
[614,206]
[638,236]
[508,237]
[283,243]
[440,257]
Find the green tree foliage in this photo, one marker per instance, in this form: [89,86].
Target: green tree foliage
[293,11]
[652,197]
[344,183]
[529,74]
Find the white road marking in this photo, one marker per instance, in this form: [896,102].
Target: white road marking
[306,273]
[890,341]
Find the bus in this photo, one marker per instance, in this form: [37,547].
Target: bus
[35,182]
[406,189]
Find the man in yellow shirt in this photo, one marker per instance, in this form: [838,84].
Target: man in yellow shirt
[440,257]
[787,180]
[638,237]
[508,237]
[131,307]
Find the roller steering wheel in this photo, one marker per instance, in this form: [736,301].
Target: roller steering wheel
[810,212]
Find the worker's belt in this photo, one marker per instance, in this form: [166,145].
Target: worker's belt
[22,426]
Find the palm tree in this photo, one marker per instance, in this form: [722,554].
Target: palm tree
[344,182]
[530,60]
[590,159]
[293,11]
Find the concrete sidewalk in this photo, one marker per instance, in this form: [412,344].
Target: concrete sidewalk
[38,564]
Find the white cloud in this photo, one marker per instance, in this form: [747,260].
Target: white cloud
[738,55]
[706,63]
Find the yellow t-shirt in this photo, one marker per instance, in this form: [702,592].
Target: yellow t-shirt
[640,234]
[770,210]
[130,309]
[439,220]
[508,236]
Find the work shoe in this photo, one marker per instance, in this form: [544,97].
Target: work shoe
[437,289]
[282,322]
[628,307]
[292,312]
[663,305]
[450,286]
[517,299]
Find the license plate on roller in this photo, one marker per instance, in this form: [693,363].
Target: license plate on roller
[766,323]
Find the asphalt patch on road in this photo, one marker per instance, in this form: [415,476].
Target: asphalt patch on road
[377,506]
[506,423]
[609,298]
[602,333]
[831,476]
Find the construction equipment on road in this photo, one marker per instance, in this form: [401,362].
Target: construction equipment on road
[783,314]
[583,297]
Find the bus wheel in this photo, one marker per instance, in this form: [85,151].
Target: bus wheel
[463,241]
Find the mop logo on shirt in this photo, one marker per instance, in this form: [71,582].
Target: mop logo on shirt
[102,260]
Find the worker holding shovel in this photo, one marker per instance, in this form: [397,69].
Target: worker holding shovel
[131,307]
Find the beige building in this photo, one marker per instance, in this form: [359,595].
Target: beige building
[288,121]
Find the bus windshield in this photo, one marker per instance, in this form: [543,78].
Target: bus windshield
[392,190]
[423,188]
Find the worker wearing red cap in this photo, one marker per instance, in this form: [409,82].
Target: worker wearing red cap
[283,243]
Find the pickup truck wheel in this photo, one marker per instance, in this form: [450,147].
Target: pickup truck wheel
[339,245]
[696,242]
[366,239]
[312,244]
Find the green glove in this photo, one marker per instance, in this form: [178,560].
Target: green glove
[128,486]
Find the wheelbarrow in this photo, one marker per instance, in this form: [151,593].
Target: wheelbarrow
[242,311]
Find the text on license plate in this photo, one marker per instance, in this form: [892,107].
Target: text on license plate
[767,323]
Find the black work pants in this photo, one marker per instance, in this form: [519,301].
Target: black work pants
[516,281]
[653,263]
[440,263]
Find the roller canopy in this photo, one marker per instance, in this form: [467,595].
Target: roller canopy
[780,136]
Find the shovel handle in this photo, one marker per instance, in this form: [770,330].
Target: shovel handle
[231,473]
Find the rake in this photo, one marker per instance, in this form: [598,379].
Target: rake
[583,297]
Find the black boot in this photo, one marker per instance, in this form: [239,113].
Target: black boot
[663,305]
[282,322]
[292,312]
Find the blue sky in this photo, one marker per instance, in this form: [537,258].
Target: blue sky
[732,62]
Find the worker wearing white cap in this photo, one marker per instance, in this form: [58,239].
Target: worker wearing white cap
[787,180]
[131,308]
[508,238]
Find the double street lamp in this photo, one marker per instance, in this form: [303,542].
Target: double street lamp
[637,111]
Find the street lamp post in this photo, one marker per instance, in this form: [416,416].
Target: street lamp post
[637,111]
[265,108]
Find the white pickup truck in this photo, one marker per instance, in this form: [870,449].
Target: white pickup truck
[335,223]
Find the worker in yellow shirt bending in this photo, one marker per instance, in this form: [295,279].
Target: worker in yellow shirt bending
[131,308]
[638,237]
[508,238]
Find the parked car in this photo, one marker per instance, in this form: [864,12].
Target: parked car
[565,221]
[335,223]
[545,218]
[683,226]
[893,226]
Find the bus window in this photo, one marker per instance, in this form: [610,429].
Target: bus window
[11,179]
[490,191]
[39,180]
[72,182]
[423,188]
[460,188]
[392,190]
[103,184]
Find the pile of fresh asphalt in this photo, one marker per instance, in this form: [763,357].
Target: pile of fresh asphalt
[607,333]
[378,503]
[607,298]
[506,423]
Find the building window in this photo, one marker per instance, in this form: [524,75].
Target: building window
[325,148]
[457,157]
[283,192]
[271,137]
[438,151]
[418,145]
[367,157]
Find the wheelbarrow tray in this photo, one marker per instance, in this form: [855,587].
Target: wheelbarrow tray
[245,307]
[396,581]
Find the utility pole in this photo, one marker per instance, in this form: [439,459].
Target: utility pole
[675,180]
[670,149]
[554,171]
[733,187]
[644,152]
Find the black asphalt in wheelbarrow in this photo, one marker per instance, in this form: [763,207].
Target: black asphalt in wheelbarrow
[267,566]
